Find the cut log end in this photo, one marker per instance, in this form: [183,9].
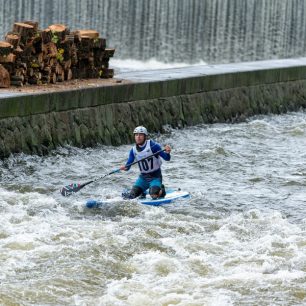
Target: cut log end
[57,28]
[5,48]
[23,25]
[5,44]
[5,80]
[89,33]
[34,24]
[13,39]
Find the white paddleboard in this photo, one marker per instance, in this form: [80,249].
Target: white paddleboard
[171,195]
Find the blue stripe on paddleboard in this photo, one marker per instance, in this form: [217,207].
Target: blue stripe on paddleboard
[163,200]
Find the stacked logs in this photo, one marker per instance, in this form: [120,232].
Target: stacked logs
[32,56]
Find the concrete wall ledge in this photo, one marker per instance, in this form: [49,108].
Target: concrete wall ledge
[179,97]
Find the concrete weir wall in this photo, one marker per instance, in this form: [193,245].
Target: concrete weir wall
[37,123]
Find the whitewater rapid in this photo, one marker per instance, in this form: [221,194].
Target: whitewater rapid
[239,240]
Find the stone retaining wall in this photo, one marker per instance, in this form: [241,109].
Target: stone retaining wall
[37,123]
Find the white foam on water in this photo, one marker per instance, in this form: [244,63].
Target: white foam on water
[248,249]
[123,65]
[240,238]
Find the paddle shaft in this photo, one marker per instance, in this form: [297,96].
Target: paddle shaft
[87,183]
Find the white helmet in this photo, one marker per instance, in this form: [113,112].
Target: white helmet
[141,130]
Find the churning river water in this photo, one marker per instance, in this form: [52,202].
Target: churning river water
[239,240]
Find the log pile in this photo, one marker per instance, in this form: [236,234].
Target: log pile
[33,56]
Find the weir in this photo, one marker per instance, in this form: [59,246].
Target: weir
[41,121]
[213,31]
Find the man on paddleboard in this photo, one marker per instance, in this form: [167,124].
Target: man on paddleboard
[150,168]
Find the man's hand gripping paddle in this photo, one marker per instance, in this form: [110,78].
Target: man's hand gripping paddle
[75,187]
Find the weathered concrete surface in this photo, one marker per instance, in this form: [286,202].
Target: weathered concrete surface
[36,123]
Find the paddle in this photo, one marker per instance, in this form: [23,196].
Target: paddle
[75,187]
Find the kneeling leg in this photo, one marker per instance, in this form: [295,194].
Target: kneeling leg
[155,192]
[135,192]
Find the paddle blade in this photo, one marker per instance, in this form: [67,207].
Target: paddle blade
[70,189]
